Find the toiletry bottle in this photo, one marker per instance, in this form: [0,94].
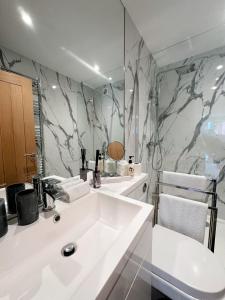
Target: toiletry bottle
[100,164]
[137,169]
[122,168]
[96,173]
[83,170]
[110,167]
[131,166]
[103,163]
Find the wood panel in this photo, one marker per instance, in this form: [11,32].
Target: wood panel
[12,78]
[8,147]
[18,132]
[17,129]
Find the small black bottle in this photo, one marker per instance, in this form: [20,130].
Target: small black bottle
[3,219]
[11,192]
[83,170]
[27,207]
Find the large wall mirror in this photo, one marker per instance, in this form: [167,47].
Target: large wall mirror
[62,85]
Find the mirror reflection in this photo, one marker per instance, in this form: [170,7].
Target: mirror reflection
[79,78]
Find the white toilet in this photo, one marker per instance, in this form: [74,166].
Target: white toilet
[183,268]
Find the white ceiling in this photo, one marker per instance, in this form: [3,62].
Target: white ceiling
[67,36]
[177,29]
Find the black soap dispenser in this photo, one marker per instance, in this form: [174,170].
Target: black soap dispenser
[83,170]
[3,219]
[96,173]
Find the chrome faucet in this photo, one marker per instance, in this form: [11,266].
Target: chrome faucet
[46,191]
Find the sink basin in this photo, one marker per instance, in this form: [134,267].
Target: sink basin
[101,225]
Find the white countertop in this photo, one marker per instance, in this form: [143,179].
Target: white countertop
[127,185]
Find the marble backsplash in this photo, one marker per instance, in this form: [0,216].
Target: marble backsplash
[191,118]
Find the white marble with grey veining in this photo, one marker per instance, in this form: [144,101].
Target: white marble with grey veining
[108,114]
[66,115]
[191,118]
[140,75]
[74,115]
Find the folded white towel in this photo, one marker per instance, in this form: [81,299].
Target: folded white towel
[70,183]
[75,192]
[71,179]
[187,180]
[183,215]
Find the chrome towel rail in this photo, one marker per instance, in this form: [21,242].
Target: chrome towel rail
[213,207]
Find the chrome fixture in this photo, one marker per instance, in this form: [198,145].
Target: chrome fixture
[69,249]
[45,188]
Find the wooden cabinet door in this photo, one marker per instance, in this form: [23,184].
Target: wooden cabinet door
[17,131]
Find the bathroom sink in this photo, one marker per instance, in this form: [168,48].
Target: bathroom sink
[101,225]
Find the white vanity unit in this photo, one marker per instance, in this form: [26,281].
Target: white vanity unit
[112,238]
[135,187]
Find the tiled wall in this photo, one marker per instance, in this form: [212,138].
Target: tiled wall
[191,120]
[140,74]
[65,131]
[74,115]
[108,114]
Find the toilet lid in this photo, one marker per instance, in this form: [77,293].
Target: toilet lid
[187,264]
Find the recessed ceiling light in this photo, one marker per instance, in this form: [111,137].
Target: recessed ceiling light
[96,67]
[213,87]
[219,67]
[54,87]
[131,90]
[110,78]
[25,17]
[83,62]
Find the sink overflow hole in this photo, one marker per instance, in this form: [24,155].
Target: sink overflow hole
[56,218]
[69,249]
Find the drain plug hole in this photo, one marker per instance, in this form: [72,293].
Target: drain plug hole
[69,249]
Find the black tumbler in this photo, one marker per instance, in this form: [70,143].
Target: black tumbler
[27,207]
[11,192]
[3,219]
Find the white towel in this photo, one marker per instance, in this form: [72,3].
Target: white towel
[74,192]
[183,215]
[68,184]
[187,180]
[71,179]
